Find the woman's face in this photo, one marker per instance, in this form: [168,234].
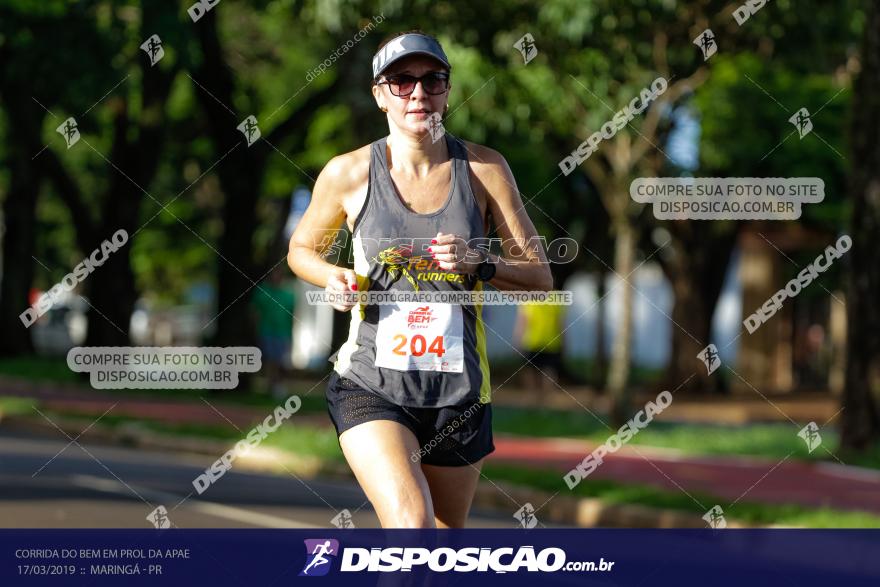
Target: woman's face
[411,113]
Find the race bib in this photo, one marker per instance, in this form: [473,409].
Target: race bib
[423,337]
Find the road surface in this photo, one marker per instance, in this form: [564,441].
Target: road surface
[47,483]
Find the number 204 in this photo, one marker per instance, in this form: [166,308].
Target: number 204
[418,346]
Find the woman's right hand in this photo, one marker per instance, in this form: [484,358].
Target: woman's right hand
[341,282]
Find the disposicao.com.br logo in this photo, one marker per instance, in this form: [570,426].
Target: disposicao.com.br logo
[468,559]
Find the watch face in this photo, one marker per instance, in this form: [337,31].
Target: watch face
[486,270]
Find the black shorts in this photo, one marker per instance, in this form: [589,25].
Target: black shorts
[545,360]
[449,436]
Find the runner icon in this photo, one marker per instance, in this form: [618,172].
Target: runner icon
[320,550]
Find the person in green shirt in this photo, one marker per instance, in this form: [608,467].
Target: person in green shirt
[538,334]
[273,303]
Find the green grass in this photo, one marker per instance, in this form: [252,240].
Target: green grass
[770,440]
[321,443]
[38,369]
[617,493]
[55,370]
[307,441]
[15,406]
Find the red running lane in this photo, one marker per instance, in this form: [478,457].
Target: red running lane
[757,480]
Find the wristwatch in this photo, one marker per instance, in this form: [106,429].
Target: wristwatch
[486,269]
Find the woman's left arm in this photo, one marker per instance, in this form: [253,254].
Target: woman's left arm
[523,264]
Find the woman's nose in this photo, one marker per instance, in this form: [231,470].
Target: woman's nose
[418,90]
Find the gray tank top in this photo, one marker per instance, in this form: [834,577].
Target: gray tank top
[415,355]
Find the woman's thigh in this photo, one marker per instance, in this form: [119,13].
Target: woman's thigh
[452,491]
[379,452]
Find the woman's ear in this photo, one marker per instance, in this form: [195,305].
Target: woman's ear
[377,95]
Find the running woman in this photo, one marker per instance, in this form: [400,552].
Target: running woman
[409,394]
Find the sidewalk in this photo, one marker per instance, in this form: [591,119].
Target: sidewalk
[758,480]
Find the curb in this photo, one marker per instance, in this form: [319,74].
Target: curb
[588,512]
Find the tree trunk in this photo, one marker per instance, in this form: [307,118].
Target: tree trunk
[131,166]
[861,397]
[696,271]
[112,288]
[24,119]
[241,181]
[601,373]
[241,177]
[618,375]
[237,271]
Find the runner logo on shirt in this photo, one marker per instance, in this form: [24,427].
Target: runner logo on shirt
[399,260]
[394,260]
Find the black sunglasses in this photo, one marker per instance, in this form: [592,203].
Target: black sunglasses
[402,85]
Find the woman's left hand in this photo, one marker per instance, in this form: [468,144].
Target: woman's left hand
[453,254]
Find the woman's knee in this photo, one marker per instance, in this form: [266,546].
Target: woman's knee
[409,518]
[378,453]
[406,507]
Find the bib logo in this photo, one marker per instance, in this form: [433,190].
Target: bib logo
[318,553]
[420,318]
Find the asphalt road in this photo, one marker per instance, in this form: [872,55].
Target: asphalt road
[47,483]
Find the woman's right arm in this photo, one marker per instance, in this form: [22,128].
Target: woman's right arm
[324,215]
